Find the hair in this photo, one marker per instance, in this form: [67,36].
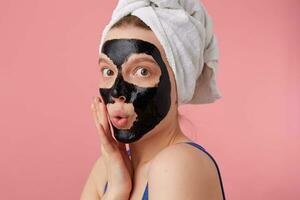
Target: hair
[131,20]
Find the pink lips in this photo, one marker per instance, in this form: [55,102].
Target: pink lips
[119,119]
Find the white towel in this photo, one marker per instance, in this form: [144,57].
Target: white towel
[184,29]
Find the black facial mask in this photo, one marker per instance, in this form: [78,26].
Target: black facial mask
[151,104]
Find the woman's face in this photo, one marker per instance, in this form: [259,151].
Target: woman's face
[136,82]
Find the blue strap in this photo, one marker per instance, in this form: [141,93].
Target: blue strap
[145,195]
[105,187]
[219,174]
[128,152]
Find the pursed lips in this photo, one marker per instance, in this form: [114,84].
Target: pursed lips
[119,118]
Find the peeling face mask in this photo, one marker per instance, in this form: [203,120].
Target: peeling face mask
[151,104]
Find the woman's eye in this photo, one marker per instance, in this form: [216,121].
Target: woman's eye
[108,72]
[142,72]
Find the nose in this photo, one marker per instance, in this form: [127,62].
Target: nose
[119,90]
[119,99]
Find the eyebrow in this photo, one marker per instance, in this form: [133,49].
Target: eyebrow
[139,59]
[101,60]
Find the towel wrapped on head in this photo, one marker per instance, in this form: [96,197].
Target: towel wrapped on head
[184,29]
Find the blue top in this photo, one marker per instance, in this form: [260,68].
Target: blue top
[145,195]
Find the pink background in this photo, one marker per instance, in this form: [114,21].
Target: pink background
[48,75]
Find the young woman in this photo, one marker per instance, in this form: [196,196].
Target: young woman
[149,156]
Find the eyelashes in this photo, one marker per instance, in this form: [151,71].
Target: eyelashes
[142,72]
[107,72]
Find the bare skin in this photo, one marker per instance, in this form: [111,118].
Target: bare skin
[173,171]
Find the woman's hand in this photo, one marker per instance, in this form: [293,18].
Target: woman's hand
[118,165]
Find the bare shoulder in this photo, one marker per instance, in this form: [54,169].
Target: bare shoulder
[185,156]
[184,172]
[95,181]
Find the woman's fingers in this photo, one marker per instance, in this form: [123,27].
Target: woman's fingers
[97,121]
[95,115]
[105,141]
[106,144]
[106,124]
[102,116]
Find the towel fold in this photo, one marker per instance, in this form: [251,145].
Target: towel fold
[184,29]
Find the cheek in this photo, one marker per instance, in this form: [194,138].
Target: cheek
[106,82]
[145,82]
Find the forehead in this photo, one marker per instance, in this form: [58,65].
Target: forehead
[120,50]
[133,57]
[133,32]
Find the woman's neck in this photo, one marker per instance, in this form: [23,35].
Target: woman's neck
[144,150]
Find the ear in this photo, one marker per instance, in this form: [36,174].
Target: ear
[174,94]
